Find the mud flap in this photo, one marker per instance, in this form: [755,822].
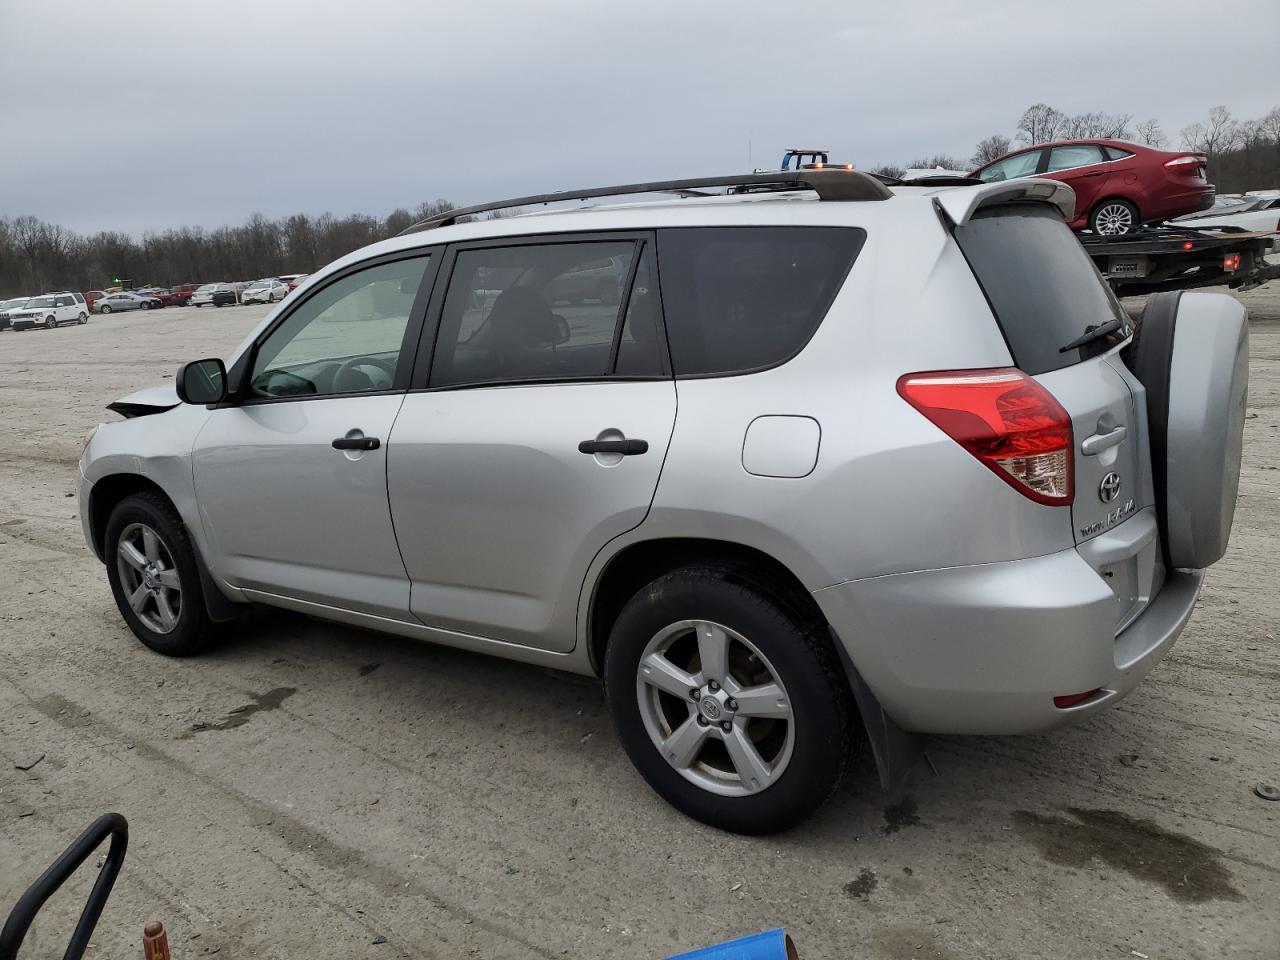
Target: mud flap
[896,750]
[219,607]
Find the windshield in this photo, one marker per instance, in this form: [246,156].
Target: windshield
[40,302]
[207,288]
[258,285]
[12,304]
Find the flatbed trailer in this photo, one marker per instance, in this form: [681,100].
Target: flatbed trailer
[1169,257]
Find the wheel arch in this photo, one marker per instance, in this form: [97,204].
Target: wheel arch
[109,491]
[645,560]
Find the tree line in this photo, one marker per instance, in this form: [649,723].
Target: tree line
[1243,154]
[36,256]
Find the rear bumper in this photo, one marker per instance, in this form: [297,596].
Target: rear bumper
[1179,201]
[984,649]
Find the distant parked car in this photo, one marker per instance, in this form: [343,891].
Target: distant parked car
[9,306]
[264,291]
[50,310]
[293,284]
[1118,185]
[125,300]
[91,298]
[1258,212]
[204,294]
[225,297]
[183,292]
[288,278]
[158,295]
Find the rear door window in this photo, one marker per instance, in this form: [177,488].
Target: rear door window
[532,312]
[1078,155]
[1043,288]
[737,299]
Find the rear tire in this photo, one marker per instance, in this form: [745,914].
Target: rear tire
[794,741]
[1114,217]
[84,317]
[171,560]
[104,309]
[146,305]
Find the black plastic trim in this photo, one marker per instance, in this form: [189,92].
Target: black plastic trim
[111,825]
[1150,356]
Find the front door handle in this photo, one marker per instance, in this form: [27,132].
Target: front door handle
[628,448]
[357,443]
[1094,445]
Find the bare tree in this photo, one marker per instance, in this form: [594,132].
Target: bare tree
[889,170]
[1149,133]
[1040,123]
[939,160]
[1104,126]
[1270,125]
[1217,135]
[994,146]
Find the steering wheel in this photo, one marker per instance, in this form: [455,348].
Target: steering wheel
[353,365]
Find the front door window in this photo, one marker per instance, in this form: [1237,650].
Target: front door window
[348,338]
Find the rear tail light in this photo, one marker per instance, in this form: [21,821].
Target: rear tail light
[1231,262]
[1012,424]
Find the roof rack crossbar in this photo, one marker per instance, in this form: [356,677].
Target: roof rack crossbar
[828,184]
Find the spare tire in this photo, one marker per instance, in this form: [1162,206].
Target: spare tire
[1191,352]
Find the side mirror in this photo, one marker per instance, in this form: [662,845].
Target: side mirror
[202,381]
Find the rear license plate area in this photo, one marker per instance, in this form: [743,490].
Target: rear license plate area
[1122,578]
[1127,266]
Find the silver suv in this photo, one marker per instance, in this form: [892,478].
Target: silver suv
[826,463]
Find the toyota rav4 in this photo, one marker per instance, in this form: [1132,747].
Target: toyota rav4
[823,462]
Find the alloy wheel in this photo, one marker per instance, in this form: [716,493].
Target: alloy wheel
[1113,219]
[149,577]
[715,708]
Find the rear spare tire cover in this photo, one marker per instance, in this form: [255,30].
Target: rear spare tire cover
[1191,353]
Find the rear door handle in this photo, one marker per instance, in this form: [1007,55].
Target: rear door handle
[628,448]
[357,443]
[1094,445]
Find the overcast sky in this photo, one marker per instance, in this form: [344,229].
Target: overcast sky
[145,114]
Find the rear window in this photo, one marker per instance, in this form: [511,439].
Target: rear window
[1043,288]
[737,299]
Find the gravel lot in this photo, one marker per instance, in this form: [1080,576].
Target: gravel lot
[309,790]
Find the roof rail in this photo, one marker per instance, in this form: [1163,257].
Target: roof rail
[828,184]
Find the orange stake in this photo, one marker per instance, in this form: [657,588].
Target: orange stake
[155,944]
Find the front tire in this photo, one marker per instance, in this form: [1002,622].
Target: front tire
[145,305]
[730,701]
[50,322]
[154,578]
[104,310]
[1114,217]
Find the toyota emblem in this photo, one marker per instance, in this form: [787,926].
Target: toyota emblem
[1109,488]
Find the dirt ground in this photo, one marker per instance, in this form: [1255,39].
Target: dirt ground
[315,791]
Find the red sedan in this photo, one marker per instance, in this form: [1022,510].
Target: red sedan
[1119,186]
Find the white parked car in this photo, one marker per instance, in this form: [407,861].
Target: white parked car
[10,306]
[264,291]
[204,294]
[50,310]
[1255,212]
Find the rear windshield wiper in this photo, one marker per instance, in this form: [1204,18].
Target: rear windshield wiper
[1094,333]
